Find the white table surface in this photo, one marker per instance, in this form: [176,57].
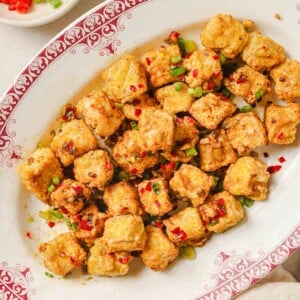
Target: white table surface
[19,45]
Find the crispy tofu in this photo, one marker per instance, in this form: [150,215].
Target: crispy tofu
[245,131]
[70,194]
[192,183]
[247,177]
[215,151]
[122,199]
[211,110]
[37,171]
[248,83]
[281,123]
[125,233]
[105,263]
[174,101]
[125,79]
[62,254]
[203,66]
[100,113]
[225,34]
[130,154]
[94,169]
[154,196]
[159,251]
[158,63]
[262,53]
[287,80]
[221,211]
[186,228]
[74,139]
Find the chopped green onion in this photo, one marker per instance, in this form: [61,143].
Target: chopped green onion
[259,94]
[216,179]
[191,152]
[175,59]
[71,225]
[56,180]
[214,223]
[178,86]
[180,42]
[51,215]
[196,92]
[188,253]
[40,145]
[132,159]
[133,125]
[219,187]
[246,108]
[190,46]
[177,70]
[245,201]
[55,3]
[155,188]
[222,59]
[49,275]
[123,175]
[51,188]
[225,92]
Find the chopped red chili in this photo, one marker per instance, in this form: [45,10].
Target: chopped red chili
[163,167]
[210,85]
[132,88]
[78,189]
[142,190]
[195,73]
[241,79]
[216,57]
[216,74]
[84,225]
[69,114]
[221,212]
[137,112]
[274,169]
[111,254]
[140,86]
[63,210]
[180,233]
[51,224]
[280,136]
[75,262]
[68,147]
[124,260]
[148,186]
[281,159]
[134,171]
[178,120]
[143,154]
[148,61]
[156,202]
[158,224]
[220,202]
[28,235]
[171,165]
[191,120]
[108,166]
[231,77]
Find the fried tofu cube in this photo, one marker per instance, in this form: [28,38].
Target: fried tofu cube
[70,194]
[245,131]
[94,169]
[248,83]
[287,80]
[154,196]
[247,177]
[158,63]
[262,53]
[125,233]
[122,199]
[192,183]
[62,254]
[186,228]
[159,251]
[105,263]
[225,34]
[221,211]
[37,171]
[134,109]
[174,101]
[215,151]
[156,129]
[74,139]
[100,113]
[130,155]
[125,79]
[211,110]
[203,67]
[281,123]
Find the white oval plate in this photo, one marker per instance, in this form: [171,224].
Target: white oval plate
[229,263]
[39,14]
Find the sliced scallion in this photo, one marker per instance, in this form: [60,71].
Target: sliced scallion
[155,188]
[190,46]
[259,94]
[177,71]
[196,92]
[191,152]
[175,59]
[178,86]
[246,108]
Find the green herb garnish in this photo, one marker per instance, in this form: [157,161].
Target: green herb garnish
[178,86]
[245,201]
[155,188]
[246,108]
[191,152]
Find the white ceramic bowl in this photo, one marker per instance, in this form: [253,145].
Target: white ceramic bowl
[39,14]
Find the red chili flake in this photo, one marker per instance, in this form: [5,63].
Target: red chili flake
[75,262]
[220,202]
[111,254]
[171,165]
[124,260]
[68,147]
[148,186]
[182,77]
[266,154]
[78,189]
[274,169]
[108,166]
[63,210]
[148,61]
[174,35]
[241,79]
[69,114]
[51,224]
[191,120]
[180,233]
[137,112]
[85,226]
[158,224]
[216,74]
[281,159]
[28,235]
[210,85]
[195,73]
[134,171]
[156,202]
[280,136]
[205,222]
[231,77]
[163,167]
[132,88]
[178,120]
[143,154]
[220,212]
[140,86]
[216,57]
[142,190]
[188,55]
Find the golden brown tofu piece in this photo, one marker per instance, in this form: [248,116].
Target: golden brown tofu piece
[159,251]
[125,79]
[247,177]
[125,233]
[281,123]
[156,129]
[174,101]
[287,80]
[203,66]
[248,83]
[105,263]
[100,113]
[192,183]
[154,196]
[37,171]
[134,109]
[62,254]
[74,139]
[70,194]
[225,34]
[262,53]
[221,211]
[211,110]
[89,224]
[122,199]
[186,228]
[245,131]
[94,169]
[130,155]
[215,151]
[158,63]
